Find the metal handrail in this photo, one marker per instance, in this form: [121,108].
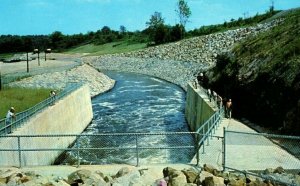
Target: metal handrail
[210,125]
[23,116]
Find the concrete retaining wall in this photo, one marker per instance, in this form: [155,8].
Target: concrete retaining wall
[198,109]
[68,116]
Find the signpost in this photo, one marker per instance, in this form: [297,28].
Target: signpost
[0,81]
[27,62]
[48,50]
[38,52]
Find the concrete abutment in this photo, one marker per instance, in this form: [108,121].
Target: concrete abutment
[70,115]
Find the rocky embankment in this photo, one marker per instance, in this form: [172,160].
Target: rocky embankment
[203,49]
[143,176]
[173,71]
[181,61]
[98,82]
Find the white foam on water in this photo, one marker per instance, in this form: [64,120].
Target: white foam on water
[140,87]
[108,105]
[139,105]
[157,80]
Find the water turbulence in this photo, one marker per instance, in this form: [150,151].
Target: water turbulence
[137,104]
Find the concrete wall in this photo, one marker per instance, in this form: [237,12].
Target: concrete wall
[68,116]
[198,109]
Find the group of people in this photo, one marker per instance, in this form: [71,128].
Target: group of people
[213,96]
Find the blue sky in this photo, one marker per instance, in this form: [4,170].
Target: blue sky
[32,17]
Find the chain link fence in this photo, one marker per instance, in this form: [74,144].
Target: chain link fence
[112,148]
[212,152]
[273,157]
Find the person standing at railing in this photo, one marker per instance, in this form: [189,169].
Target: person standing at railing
[209,94]
[52,96]
[219,101]
[228,108]
[9,118]
[202,80]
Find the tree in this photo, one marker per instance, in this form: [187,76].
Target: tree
[57,39]
[183,12]
[160,34]
[271,9]
[105,30]
[155,20]
[28,44]
[156,27]
[122,29]
[176,32]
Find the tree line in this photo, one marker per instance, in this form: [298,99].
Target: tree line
[156,32]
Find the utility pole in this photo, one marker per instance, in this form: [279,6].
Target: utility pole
[27,62]
[38,53]
[0,81]
[47,51]
[39,58]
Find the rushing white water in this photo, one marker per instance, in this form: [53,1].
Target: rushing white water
[142,104]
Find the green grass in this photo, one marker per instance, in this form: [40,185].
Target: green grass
[109,48]
[279,49]
[6,55]
[20,98]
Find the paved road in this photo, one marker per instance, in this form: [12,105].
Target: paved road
[54,61]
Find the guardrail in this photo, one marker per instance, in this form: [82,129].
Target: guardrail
[209,127]
[23,116]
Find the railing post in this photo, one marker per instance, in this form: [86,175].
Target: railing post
[203,140]
[224,148]
[207,133]
[19,151]
[137,150]
[5,127]
[78,153]
[215,124]
[212,126]
[197,147]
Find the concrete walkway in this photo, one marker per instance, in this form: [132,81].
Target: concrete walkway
[244,151]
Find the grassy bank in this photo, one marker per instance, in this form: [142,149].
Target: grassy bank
[5,56]
[20,98]
[109,48]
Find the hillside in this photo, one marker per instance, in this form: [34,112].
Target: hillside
[201,49]
[257,66]
[262,75]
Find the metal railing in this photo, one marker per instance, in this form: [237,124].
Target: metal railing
[209,127]
[23,116]
[253,153]
[130,148]
[135,148]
